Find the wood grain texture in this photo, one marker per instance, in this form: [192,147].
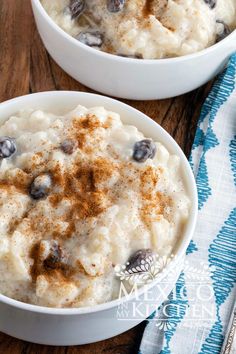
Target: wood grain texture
[25,67]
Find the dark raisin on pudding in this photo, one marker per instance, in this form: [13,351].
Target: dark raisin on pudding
[76,8]
[56,258]
[91,38]
[68,146]
[223,30]
[7,147]
[136,259]
[115,5]
[40,187]
[48,257]
[143,150]
[211,3]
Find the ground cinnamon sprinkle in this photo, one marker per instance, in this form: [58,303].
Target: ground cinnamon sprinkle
[18,182]
[154,206]
[153,203]
[103,170]
[16,221]
[154,7]
[78,187]
[83,128]
[147,8]
[149,177]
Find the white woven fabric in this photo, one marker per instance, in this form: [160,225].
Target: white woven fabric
[200,307]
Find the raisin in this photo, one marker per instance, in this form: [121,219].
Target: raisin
[223,30]
[211,3]
[143,150]
[68,146]
[115,5]
[40,187]
[92,38]
[76,8]
[7,147]
[56,258]
[136,259]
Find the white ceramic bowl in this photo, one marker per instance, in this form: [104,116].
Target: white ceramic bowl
[79,326]
[131,78]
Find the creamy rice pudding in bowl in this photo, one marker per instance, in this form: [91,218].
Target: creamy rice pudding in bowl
[139,49]
[87,183]
[145,29]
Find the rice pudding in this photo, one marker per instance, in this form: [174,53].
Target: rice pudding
[81,193]
[147,29]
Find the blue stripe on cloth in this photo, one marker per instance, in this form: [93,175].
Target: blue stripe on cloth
[232,155]
[191,247]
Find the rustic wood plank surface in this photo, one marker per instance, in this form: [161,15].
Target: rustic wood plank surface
[26,67]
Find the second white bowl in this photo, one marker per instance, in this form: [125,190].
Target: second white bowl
[131,78]
[85,325]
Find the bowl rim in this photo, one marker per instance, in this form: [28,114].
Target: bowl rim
[105,55]
[189,229]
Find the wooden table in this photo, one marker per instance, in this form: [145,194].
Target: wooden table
[26,67]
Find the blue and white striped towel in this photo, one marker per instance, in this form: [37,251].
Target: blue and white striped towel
[198,311]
